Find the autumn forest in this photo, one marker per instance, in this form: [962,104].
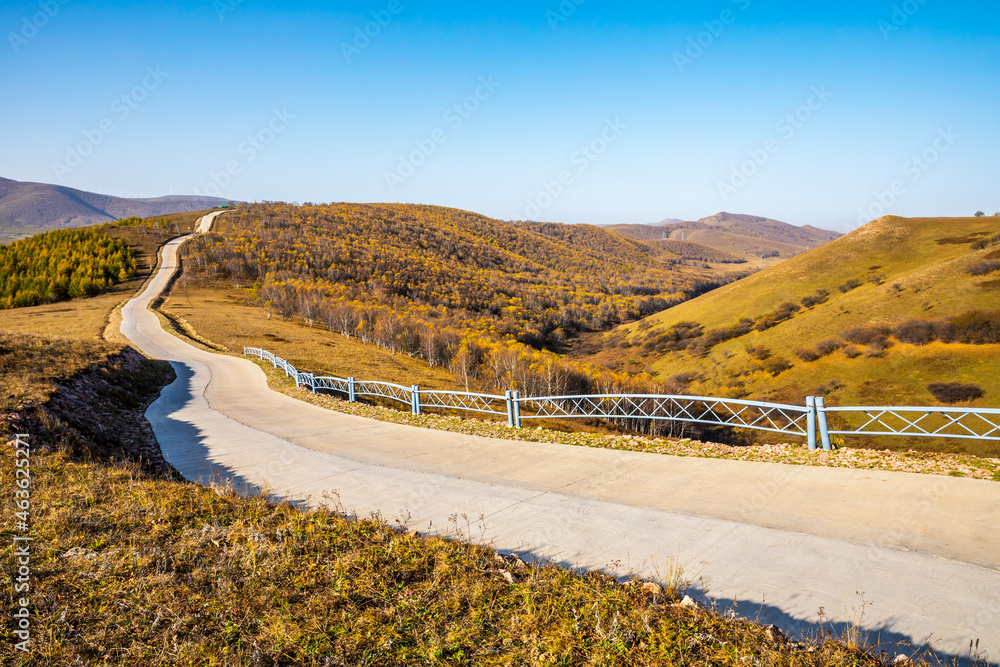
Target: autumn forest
[495,302]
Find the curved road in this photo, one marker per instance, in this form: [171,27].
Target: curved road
[914,558]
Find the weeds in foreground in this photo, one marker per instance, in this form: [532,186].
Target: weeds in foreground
[132,570]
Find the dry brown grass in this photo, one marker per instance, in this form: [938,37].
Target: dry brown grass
[219,314]
[133,570]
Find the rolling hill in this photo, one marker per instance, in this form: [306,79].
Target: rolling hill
[872,318]
[747,236]
[36,207]
[493,301]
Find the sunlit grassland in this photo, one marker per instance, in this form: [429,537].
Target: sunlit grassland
[906,269]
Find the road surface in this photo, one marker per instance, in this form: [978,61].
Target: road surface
[913,558]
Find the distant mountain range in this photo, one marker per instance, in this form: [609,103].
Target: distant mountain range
[41,206]
[743,235]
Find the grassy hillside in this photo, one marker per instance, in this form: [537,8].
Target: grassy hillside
[527,279]
[877,278]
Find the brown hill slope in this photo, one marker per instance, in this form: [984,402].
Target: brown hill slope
[746,236]
[41,206]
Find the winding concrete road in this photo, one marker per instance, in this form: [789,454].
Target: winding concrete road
[913,558]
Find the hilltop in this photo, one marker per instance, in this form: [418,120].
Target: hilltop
[872,318]
[35,207]
[747,236]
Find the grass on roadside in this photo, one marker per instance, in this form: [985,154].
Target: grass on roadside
[133,570]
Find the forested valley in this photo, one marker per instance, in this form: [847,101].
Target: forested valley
[493,301]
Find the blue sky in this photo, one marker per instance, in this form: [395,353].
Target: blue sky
[580,111]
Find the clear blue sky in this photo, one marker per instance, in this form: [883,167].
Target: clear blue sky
[671,127]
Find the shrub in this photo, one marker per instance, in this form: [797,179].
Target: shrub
[685,378]
[864,335]
[852,351]
[828,346]
[982,244]
[777,366]
[675,338]
[829,388]
[975,327]
[983,268]
[876,278]
[759,352]
[954,392]
[820,297]
[916,332]
[717,336]
[806,354]
[878,346]
[851,284]
[784,312]
[679,383]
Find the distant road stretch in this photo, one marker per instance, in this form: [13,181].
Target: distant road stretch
[780,540]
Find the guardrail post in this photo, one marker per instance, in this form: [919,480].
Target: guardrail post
[416,399]
[351,396]
[312,382]
[824,430]
[516,399]
[811,421]
[510,409]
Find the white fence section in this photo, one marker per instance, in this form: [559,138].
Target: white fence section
[809,421]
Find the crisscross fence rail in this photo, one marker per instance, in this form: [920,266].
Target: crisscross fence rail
[809,421]
[963,423]
[787,419]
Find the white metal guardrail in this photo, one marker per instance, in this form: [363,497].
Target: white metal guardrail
[809,421]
